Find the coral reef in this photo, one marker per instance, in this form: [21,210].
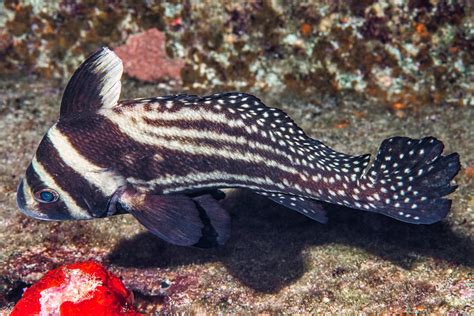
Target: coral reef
[401,53]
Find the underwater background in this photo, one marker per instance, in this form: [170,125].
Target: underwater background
[350,73]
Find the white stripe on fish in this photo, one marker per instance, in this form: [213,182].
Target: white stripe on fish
[184,114]
[192,181]
[139,114]
[107,181]
[139,135]
[75,210]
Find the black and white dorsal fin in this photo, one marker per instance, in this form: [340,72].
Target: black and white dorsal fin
[94,85]
[282,130]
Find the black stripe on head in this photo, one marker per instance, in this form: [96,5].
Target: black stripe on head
[34,180]
[85,194]
[52,211]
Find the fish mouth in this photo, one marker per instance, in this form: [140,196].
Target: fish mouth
[23,205]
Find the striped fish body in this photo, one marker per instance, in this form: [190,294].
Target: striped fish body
[163,160]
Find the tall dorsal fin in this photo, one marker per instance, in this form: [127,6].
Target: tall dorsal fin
[94,85]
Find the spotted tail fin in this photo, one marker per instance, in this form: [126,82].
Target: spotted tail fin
[409,179]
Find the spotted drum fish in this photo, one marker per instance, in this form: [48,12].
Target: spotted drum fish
[164,160]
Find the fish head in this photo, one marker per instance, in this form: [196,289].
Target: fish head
[61,184]
[42,202]
[51,190]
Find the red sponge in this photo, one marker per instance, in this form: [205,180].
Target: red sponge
[84,288]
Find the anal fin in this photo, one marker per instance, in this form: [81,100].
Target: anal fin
[216,222]
[214,193]
[310,208]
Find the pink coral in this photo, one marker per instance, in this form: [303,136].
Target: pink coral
[144,57]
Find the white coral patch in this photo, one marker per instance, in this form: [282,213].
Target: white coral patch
[76,287]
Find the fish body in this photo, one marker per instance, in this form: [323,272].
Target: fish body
[164,160]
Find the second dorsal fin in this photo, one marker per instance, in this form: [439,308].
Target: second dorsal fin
[94,85]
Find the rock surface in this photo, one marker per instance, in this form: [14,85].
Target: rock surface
[276,260]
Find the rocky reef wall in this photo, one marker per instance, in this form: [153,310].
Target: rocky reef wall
[401,53]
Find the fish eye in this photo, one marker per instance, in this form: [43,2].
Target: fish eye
[46,196]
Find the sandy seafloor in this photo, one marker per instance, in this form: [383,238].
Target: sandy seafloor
[276,260]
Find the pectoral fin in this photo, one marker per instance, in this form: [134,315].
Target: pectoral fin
[179,219]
